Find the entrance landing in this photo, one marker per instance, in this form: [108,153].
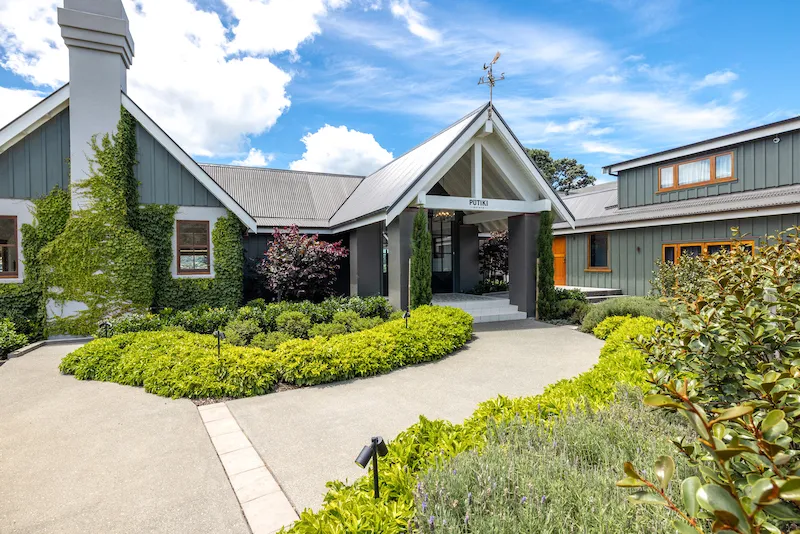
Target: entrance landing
[483,308]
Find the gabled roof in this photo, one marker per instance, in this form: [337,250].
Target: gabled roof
[188,163]
[383,188]
[43,111]
[281,198]
[767,130]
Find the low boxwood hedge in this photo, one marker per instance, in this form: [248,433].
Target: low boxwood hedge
[176,363]
[352,508]
[620,306]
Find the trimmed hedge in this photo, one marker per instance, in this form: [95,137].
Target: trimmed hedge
[633,306]
[176,363]
[352,508]
[608,325]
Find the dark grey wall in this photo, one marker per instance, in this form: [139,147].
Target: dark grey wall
[467,251]
[523,237]
[758,164]
[39,162]
[366,246]
[633,252]
[163,180]
[399,231]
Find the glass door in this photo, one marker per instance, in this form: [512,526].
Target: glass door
[441,225]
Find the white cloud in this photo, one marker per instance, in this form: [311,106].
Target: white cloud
[208,90]
[634,57]
[720,77]
[416,22]
[16,102]
[340,150]
[573,126]
[606,78]
[255,158]
[607,148]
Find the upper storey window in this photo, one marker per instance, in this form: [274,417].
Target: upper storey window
[696,172]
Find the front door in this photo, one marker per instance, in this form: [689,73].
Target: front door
[560,260]
[441,225]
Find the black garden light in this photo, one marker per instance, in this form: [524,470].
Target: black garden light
[220,336]
[406,315]
[105,325]
[372,451]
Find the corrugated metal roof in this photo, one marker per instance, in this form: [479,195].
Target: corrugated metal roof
[389,183]
[747,200]
[280,197]
[594,201]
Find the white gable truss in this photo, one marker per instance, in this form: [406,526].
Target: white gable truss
[16,130]
[490,137]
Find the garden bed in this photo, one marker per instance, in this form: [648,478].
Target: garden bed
[177,363]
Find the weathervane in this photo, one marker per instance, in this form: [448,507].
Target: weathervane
[490,80]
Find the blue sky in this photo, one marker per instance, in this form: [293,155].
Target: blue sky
[342,86]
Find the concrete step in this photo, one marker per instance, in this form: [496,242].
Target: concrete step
[490,311]
[478,305]
[515,316]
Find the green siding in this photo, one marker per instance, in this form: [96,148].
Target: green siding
[39,162]
[163,180]
[758,164]
[634,251]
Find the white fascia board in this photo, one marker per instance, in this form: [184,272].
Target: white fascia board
[438,169]
[188,163]
[705,146]
[544,188]
[688,219]
[42,112]
[366,221]
[271,229]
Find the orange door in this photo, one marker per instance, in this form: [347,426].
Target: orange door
[560,260]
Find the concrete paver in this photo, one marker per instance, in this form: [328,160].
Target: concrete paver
[79,456]
[311,435]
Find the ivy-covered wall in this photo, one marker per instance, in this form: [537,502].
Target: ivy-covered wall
[114,256]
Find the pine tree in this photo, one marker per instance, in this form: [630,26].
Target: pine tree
[420,275]
[546,281]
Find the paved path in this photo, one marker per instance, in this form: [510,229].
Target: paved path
[312,435]
[83,457]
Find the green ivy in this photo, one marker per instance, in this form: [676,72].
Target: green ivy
[99,259]
[24,303]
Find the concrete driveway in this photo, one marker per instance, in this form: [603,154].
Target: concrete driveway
[98,457]
[312,435]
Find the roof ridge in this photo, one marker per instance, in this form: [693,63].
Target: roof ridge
[282,170]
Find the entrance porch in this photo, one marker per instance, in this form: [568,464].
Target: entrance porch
[483,308]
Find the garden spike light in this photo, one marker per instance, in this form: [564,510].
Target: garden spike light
[406,315]
[220,336]
[372,451]
[105,325]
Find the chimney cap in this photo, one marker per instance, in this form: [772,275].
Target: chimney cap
[97,25]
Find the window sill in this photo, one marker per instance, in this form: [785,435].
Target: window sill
[597,270]
[693,186]
[195,275]
[10,280]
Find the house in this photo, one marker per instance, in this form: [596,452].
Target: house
[685,200]
[472,176]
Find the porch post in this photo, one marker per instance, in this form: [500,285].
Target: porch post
[365,260]
[523,233]
[399,231]
[469,274]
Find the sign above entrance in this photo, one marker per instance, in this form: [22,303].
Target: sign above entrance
[436,202]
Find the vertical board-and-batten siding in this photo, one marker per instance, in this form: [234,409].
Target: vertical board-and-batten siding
[35,165]
[633,252]
[163,180]
[758,164]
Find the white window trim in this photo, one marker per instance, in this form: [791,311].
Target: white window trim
[21,209]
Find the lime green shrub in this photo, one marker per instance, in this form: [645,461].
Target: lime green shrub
[608,325]
[327,330]
[175,364]
[240,332]
[633,306]
[10,339]
[556,478]
[294,323]
[270,340]
[351,508]
[433,332]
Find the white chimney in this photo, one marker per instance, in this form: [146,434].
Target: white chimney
[100,53]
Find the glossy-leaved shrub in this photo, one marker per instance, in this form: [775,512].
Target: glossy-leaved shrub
[10,339]
[633,306]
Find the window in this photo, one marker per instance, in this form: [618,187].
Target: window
[703,171]
[9,267]
[193,249]
[597,254]
[673,253]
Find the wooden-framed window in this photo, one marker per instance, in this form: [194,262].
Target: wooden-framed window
[598,252]
[672,252]
[9,249]
[194,255]
[697,172]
